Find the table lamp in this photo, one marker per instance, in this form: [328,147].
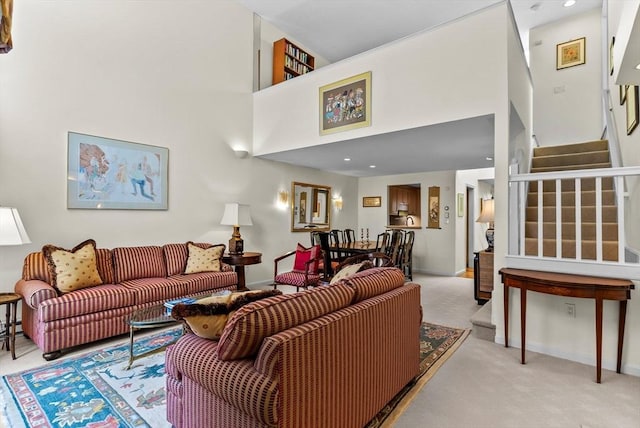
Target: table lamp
[486,216]
[236,215]
[12,231]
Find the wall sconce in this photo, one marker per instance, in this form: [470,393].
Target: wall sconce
[283,197]
[241,154]
[337,202]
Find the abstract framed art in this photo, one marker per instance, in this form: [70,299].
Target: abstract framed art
[570,54]
[104,173]
[345,104]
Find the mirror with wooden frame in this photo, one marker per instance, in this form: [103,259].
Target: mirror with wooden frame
[310,207]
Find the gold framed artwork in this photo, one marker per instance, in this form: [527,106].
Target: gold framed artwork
[371,201]
[434,208]
[571,53]
[623,93]
[460,204]
[632,108]
[345,104]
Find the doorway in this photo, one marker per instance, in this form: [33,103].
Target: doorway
[471,215]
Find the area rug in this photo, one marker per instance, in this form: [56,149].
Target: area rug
[95,390]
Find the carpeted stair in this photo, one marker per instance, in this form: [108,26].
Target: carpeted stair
[593,154]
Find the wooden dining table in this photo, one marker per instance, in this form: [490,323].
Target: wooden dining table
[356,247]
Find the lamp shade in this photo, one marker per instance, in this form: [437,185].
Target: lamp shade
[12,230]
[487,213]
[236,215]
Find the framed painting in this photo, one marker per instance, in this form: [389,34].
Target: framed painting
[623,93]
[632,108]
[345,104]
[570,54]
[371,201]
[460,204]
[434,208]
[613,42]
[104,173]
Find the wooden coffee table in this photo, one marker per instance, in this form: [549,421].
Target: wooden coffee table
[150,317]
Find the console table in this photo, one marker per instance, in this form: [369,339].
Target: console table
[560,284]
[240,261]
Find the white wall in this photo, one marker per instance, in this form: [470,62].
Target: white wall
[116,69]
[417,81]
[574,113]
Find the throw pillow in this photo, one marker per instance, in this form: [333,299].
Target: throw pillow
[74,269]
[303,255]
[207,317]
[203,259]
[349,270]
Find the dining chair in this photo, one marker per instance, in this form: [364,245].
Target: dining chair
[315,237]
[394,248]
[327,266]
[407,254]
[334,242]
[381,242]
[349,235]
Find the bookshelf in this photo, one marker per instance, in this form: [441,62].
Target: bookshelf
[289,61]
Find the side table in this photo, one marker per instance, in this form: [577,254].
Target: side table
[10,300]
[240,261]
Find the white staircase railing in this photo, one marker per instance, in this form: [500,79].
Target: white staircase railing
[517,257]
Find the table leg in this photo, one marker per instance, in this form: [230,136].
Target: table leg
[6,332]
[598,338]
[13,329]
[622,317]
[131,329]
[505,294]
[242,283]
[523,321]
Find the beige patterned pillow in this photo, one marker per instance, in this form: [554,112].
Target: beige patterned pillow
[203,260]
[74,269]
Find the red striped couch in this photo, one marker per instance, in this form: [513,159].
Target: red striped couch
[332,356]
[133,277]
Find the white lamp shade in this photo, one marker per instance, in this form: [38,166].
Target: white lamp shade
[236,215]
[12,230]
[487,213]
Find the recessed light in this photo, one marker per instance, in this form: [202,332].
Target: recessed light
[347,159]
[489,158]
[638,67]
[372,166]
[569,3]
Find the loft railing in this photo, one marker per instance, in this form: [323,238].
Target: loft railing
[517,256]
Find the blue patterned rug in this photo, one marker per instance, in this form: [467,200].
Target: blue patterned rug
[93,390]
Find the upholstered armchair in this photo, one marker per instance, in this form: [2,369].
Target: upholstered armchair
[305,271]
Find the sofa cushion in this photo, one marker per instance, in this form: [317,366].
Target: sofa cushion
[175,256]
[138,262]
[205,281]
[207,317]
[203,259]
[349,270]
[374,281]
[74,269]
[303,255]
[147,290]
[86,301]
[35,266]
[246,329]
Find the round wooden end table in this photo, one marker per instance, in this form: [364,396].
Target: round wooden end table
[10,300]
[240,261]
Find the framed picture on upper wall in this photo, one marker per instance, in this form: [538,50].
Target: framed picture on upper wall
[345,104]
[623,93]
[570,54]
[371,201]
[632,108]
[104,173]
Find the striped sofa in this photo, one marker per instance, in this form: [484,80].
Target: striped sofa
[133,278]
[332,356]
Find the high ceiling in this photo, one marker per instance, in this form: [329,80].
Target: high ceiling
[338,29]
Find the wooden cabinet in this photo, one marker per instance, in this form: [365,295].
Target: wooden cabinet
[290,61]
[483,276]
[404,198]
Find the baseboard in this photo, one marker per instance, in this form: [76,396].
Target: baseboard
[589,360]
